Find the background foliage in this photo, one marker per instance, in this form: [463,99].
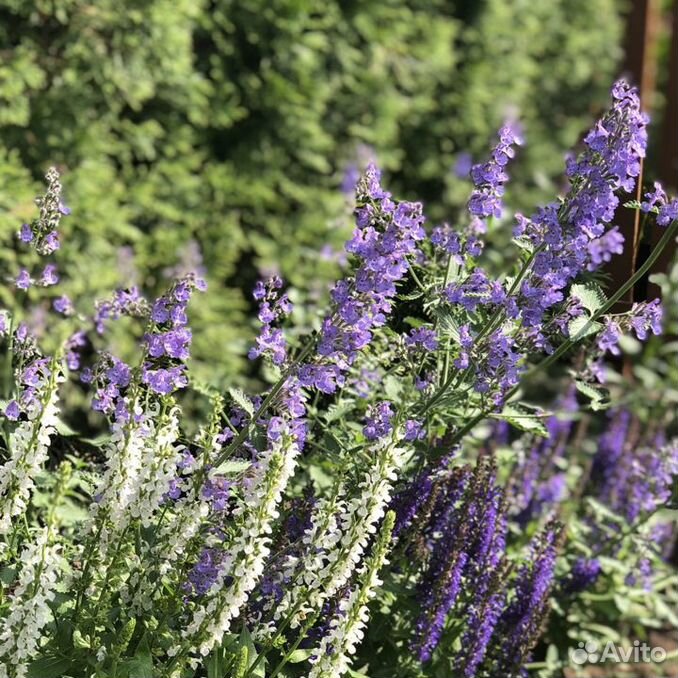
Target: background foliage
[226,127]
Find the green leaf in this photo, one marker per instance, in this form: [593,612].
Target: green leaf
[597,396]
[232,467]
[240,399]
[141,665]
[523,419]
[216,664]
[577,325]
[50,667]
[590,295]
[246,641]
[392,387]
[300,655]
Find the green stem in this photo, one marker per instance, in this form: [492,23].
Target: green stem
[245,432]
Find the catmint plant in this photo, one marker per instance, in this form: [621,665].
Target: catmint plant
[210,531]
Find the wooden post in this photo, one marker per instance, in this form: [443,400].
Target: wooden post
[640,68]
[668,152]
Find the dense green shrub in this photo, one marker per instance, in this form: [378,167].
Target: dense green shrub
[229,124]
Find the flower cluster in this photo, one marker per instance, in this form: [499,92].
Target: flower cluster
[29,606]
[658,202]
[571,236]
[489,178]
[168,338]
[386,235]
[43,232]
[125,302]
[273,307]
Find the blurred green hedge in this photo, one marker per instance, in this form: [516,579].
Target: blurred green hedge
[226,127]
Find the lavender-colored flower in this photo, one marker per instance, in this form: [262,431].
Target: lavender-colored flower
[562,233]
[423,337]
[23,280]
[124,302]
[169,339]
[463,164]
[26,233]
[76,341]
[12,411]
[654,199]
[387,234]
[646,317]
[378,421]
[164,380]
[49,276]
[601,249]
[217,490]
[489,178]
[205,572]
[63,305]
[42,233]
[668,213]
[413,430]
[608,339]
[448,240]
[273,309]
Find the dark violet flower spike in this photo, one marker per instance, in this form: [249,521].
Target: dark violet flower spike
[584,573]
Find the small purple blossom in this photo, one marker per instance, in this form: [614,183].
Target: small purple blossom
[63,305]
[413,430]
[423,337]
[12,411]
[378,421]
[23,280]
[26,233]
[49,276]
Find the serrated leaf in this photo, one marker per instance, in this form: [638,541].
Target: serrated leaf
[603,511]
[523,419]
[590,295]
[597,396]
[338,410]
[240,399]
[411,296]
[582,327]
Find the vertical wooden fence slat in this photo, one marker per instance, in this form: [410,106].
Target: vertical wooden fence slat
[668,157]
[640,68]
